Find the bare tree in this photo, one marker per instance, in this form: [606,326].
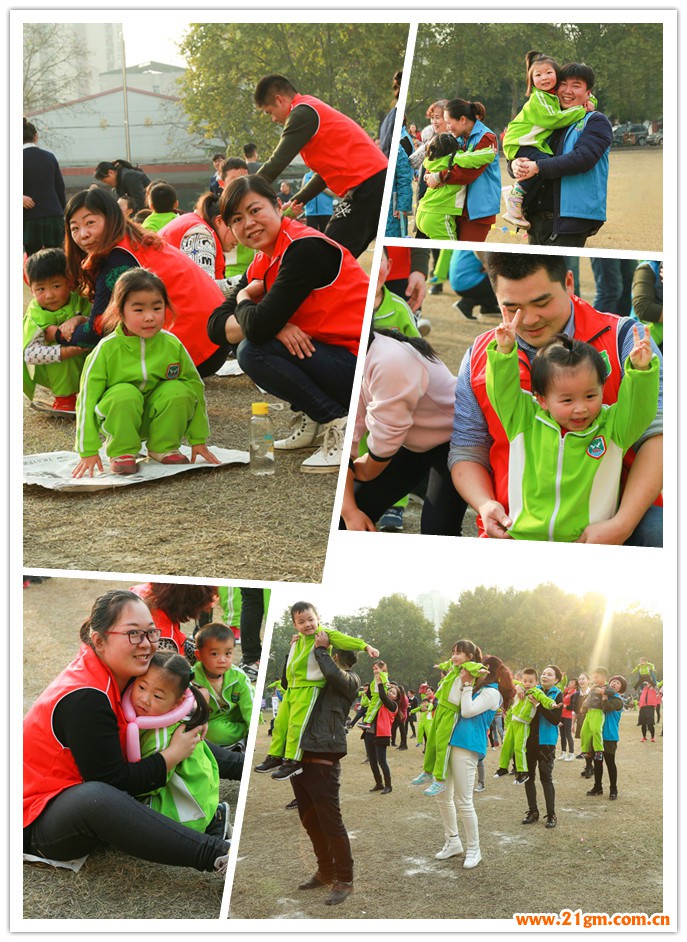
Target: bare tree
[56,65]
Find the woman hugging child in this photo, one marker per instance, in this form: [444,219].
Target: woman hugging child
[191,794]
[139,384]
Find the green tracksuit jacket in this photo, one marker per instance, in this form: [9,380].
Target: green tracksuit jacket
[138,373]
[441,202]
[446,714]
[540,115]
[62,377]
[558,484]
[394,314]
[520,715]
[230,712]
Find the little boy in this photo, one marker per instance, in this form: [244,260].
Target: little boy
[591,738]
[46,362]
[304,681]
[164,203]
[390,311]
[231,695]
[518,718]
[645,672]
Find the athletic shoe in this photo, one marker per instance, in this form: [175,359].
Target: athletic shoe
[452,847]
[287,769]
[479,787]
[597,790]
[513,213]
[422,779]
[436,788]
[570,757]
[472,858]
[521,778]
[437,288]
[221,864]
[551,821]
[123,464]
[339,893]
[643,738]
[65,403]
[612,796]
[269,764]
[169,457]
[291,805]
[588,773]
[563,756]
[500,772]
[250,670]
[653,740]
[391,521]
[304,435]
[386,790]
[377,787]
[220,826]
[424,325]
[465,307]
[531,817]
[329,456]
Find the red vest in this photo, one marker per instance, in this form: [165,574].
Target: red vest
[49,767]
[331,314]
[400,262]
[339,150]
[385,720]
[175,231]
[170,629]
[588,324]
[193,294]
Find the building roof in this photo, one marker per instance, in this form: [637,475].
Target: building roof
[151,66]
[109,91]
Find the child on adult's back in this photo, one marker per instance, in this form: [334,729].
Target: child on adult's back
[140,384]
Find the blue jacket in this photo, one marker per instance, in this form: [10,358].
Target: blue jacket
[321,205]
[470,732]
[611,731]
[484,193]
[548,733]
[465,271]
[401,195]
[583,195]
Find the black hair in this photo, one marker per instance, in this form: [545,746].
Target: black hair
[564,353]
[30,132]
[250,149]
[134,279]
[163,198]
[557,671]
[534,58]
[180,670]
[129,202]
[345,658]
[514,266]
[460,108]
[233,163]
[299,607]
[47,263]
[271,85]
[207,207]
[142,215]
[465,646]
[578,70]
[423,347]
[443,145]
[623,682]
[498,674]
[215,631]
[529,670]
[233,195]
[217,156]
[106,610]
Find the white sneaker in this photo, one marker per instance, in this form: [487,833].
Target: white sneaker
[221,865]
[304,434]
[472,858]
[452,846]
[330,455]
[570,757]
[563,756]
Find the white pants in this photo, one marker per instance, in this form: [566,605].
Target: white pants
[458,795]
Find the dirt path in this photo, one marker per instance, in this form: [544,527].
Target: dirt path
[603,856]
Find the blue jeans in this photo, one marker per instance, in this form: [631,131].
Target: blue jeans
[613,277]
[319,385]
[649,530]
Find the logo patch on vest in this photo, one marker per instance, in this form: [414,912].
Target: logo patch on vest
[173,371]
[597,448]
[607,360]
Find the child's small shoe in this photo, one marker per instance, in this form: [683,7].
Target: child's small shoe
[268,764]
[169,457]
[479,787]
[422,779]
[499,772]
[64,403]
[513,213]
[436,788]
[521,778]
[123,464]
[287,769]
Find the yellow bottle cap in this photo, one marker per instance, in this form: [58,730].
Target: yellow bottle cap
[260,408]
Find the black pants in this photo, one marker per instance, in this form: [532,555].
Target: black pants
[94,814]
[567,741]
[317,793]
[210,366]
[401,727]
[482,295]
[443,509]
[541,758]
[252,613]
[230,763]
[355,219]
[610,747]
[410,723]
[317,222]
[541,232]
[376,753]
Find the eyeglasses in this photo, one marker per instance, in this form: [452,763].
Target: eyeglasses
[136,636]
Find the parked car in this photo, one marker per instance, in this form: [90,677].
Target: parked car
[630,135]
[655,139]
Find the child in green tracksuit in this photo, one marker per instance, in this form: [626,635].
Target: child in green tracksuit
[465,655]
[518,720]
[645,672]
[304,680]
[566,445]
[230,691]
[191,793]
[436,212]
[425,713]
[591,734]
[54,305]
[139,384]
[528,133]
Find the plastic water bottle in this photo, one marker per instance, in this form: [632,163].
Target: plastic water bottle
[261,440]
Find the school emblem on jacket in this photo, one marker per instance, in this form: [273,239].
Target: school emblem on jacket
[235,697]
[597,448]
[173,371]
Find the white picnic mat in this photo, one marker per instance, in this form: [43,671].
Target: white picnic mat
[54,470]
[74,865]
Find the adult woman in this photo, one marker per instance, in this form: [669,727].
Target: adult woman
[567,741]
[464,120]
[612,707]
[205,237]
[541,749]
[577,703]
[647,298]
[297,315]
[405,404]
[44,195]
[126,179]
[479,702]
[378,736]
[101,245]
[78,787]
[400,724]
[170,605]
[649,700]
[437,125]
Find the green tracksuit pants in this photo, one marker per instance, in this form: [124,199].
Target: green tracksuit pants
[438,749]
[290,721]
[128,417]
[225,730]
[436,225]
[591,738]
[515,744]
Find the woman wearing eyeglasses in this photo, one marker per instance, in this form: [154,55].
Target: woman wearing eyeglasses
[78,785]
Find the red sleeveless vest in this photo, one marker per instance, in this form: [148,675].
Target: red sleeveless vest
[170,630]
[175,231]
[340,150]
[331,314]
[49,767]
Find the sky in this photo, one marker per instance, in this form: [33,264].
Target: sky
[142,45]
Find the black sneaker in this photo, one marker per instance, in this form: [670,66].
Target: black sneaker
[437,288]
[250,670]
[465,308]
[531,817]
[220,826]
[521,778]
[269,764]
[596,791]
[287,769]
[612,796]
[500,772]
[587,773]
[291,805]
[551,821]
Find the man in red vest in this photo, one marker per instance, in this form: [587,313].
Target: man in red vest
[342,155]
[541,287]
